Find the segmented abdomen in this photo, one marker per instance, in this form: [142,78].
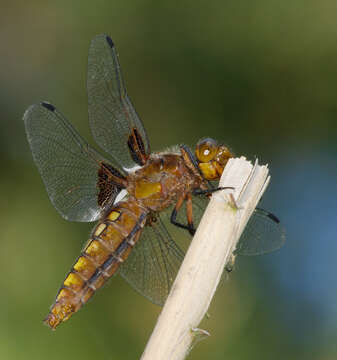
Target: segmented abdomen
[110,244]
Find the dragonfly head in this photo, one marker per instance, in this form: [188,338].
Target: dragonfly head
[212,158]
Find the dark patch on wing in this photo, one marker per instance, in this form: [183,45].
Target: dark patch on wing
[137,148]
[48,106]
[273,217]
[110,183]
[110,42]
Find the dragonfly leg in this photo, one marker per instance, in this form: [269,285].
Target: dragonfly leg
[189,226]
[210,191]
[189,214]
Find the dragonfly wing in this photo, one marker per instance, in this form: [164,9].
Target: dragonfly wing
[153,263]
[72,171]
[262,234]
[114,122]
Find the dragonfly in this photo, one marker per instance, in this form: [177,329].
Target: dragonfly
[135,195]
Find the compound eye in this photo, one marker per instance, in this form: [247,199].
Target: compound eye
[206,149]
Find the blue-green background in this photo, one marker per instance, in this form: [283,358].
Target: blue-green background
[259,75]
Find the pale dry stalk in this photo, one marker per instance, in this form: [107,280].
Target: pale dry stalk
[211,248]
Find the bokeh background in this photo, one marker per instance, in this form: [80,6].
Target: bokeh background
[259,75]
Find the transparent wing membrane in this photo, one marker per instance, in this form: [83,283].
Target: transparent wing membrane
[263,233]
[111,114]
[153,263]
[67,164]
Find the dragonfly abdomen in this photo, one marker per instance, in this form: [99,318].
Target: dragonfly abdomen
[110,244]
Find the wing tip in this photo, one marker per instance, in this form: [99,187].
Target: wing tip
[48,106]
[109,41]
[273,217]
[27,114]
[103,38]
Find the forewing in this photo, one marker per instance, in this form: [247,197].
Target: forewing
[262,234]
[153,263]
[114,122]
[71,170]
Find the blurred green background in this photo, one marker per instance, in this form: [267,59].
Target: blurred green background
[259,75]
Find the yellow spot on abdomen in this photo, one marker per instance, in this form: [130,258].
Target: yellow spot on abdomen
[73,281]
[112,238]
[64,293]
[81,263]
[114,215]
[99,229]
[93,247]
[85,267]
[97,252]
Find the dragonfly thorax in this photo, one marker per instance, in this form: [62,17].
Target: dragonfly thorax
[161,181]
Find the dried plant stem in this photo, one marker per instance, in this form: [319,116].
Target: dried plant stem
[211,248]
